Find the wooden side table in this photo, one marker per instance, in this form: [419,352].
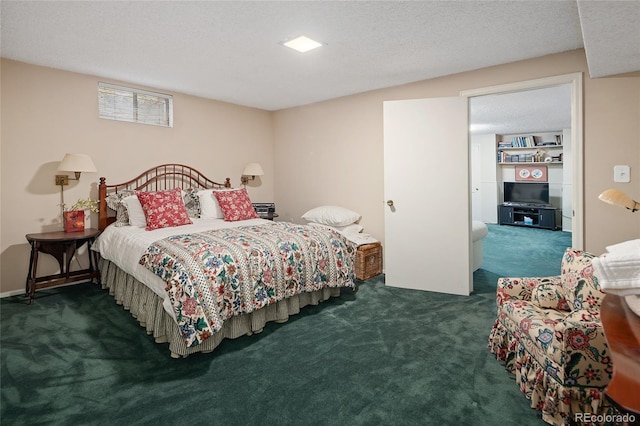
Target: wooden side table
[622,331]
[61,245]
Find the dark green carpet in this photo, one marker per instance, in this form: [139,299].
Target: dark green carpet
[384,356]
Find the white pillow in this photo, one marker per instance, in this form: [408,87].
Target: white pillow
[134,209]
[354,228]
[209,206]
[331,215]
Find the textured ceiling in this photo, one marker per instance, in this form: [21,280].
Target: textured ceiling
[611,33]
[231,51]
[521,112]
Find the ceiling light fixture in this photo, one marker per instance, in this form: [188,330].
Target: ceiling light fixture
[302,44]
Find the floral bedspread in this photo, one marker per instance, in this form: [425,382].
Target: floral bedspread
[214,275]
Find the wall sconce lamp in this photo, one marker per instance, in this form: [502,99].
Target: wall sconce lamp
[76,163]
[251,170]
[619,198]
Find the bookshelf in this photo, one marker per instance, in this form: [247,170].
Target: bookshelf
[529,148]
[546,151]
[488,175]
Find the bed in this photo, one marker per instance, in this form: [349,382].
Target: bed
[194,275]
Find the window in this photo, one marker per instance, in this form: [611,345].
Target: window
[135,106]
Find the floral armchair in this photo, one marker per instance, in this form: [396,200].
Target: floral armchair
[548,333]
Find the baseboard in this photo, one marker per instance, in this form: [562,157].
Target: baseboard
[11,293]
[21,292]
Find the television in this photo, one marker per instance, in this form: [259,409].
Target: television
[526,193]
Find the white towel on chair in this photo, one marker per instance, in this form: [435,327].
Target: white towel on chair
[628,247]
[618,271]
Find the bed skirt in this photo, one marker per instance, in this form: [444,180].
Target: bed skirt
[147,308]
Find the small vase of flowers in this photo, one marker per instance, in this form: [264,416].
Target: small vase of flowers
[74,216]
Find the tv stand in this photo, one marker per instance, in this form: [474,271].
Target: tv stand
[531,216]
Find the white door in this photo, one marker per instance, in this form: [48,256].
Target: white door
[426,188]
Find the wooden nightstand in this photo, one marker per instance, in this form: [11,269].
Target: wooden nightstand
[61,245]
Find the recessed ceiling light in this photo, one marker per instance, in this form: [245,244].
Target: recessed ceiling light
[302,44]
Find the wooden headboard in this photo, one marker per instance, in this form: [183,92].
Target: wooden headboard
[166,176]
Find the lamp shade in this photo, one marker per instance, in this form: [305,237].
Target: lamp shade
[77,163]
[252,169]
[619,198]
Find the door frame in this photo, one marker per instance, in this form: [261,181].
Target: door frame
[577,136]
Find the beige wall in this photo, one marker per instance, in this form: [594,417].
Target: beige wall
[47,112]
[325,153]
[332,152]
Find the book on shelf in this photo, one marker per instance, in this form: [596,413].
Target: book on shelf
[503,157]
[556,142]
[523,141]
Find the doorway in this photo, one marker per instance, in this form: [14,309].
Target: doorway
[572,85]
[431,179]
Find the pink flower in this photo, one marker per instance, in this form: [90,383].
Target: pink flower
[587,271]
[578,340]
[563,304]
[322,264]
[586,317]
[501,296]
[519,303]
[590,374]
[267,276]
[572,282]
[189,306]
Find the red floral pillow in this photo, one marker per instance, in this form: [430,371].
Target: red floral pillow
[235,205]
[163,209]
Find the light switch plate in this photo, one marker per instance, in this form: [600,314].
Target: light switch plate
[621,174]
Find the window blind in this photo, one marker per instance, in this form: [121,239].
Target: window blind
[134,105]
